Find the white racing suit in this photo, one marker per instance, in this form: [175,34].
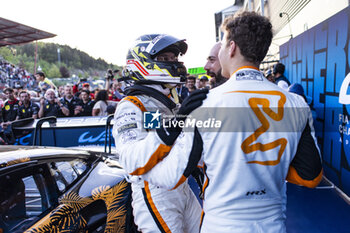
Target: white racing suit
[265,136]
[155,209]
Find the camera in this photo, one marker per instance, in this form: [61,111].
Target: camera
[110,75]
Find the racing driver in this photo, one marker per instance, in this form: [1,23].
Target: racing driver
[141,140]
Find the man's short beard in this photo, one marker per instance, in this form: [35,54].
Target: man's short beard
[219,79]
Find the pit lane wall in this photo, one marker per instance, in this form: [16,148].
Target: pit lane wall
[319,59]
[68,132]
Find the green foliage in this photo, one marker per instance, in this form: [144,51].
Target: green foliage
[74,61]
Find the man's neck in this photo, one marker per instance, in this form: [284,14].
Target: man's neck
[26,104]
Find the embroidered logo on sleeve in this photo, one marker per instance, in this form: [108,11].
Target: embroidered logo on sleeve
[126,127]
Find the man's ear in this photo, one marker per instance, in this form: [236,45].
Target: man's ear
[232,48]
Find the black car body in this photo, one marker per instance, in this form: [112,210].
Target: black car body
[45,189]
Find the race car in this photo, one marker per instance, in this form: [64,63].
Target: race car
[52,189]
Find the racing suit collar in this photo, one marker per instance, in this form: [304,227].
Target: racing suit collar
[247,73]
[244,67]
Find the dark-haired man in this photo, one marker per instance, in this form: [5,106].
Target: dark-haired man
[190,86]
[27,109]
[44,83]
[10,108]
[280,79]
[250,154]
[86,105]
[8,114]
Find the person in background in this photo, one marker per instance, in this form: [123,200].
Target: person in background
[16,91]
[203,82]
[86,87]
[280,79]
[33,94]
[27,108]
[269,76]
[100,107]
[96,90]
[191,84]
[8,114]
[111,85]
[115,92]
[60,91]
[213,66]
[185,90]
[44,83]
[70,102]
[50,105]
[77,87]
[85,109]
[298,89]
[10,108]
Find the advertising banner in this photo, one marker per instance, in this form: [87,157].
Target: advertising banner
[319,59]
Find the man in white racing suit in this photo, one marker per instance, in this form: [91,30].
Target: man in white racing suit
[152,64]
[259,135]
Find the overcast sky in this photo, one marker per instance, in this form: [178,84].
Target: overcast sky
[107,28]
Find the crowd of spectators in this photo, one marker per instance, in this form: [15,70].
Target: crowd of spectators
[15,77]
[26,96]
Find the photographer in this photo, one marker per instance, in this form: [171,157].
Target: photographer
[115,92]
[50,105]
[110,77]
[86,104]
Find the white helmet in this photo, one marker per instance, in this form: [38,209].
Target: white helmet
[142,67]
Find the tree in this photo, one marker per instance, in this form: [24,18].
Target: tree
[64,72]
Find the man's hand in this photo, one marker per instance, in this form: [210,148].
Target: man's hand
[193,101]
[42,101]
[78,109]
